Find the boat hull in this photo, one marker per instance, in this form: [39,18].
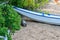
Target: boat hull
[40,17]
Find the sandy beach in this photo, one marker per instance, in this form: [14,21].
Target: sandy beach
[52,8]
[38,31]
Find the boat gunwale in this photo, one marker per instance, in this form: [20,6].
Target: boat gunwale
[43,15]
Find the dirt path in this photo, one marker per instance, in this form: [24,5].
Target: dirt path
[38,31]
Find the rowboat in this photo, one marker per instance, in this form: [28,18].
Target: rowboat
[40,17]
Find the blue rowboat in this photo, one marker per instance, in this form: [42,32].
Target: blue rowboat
[40,17]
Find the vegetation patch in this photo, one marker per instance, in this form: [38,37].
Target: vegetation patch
[29,4]
[9,20]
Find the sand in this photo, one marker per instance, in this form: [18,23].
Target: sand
[52,8]
[38,31]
